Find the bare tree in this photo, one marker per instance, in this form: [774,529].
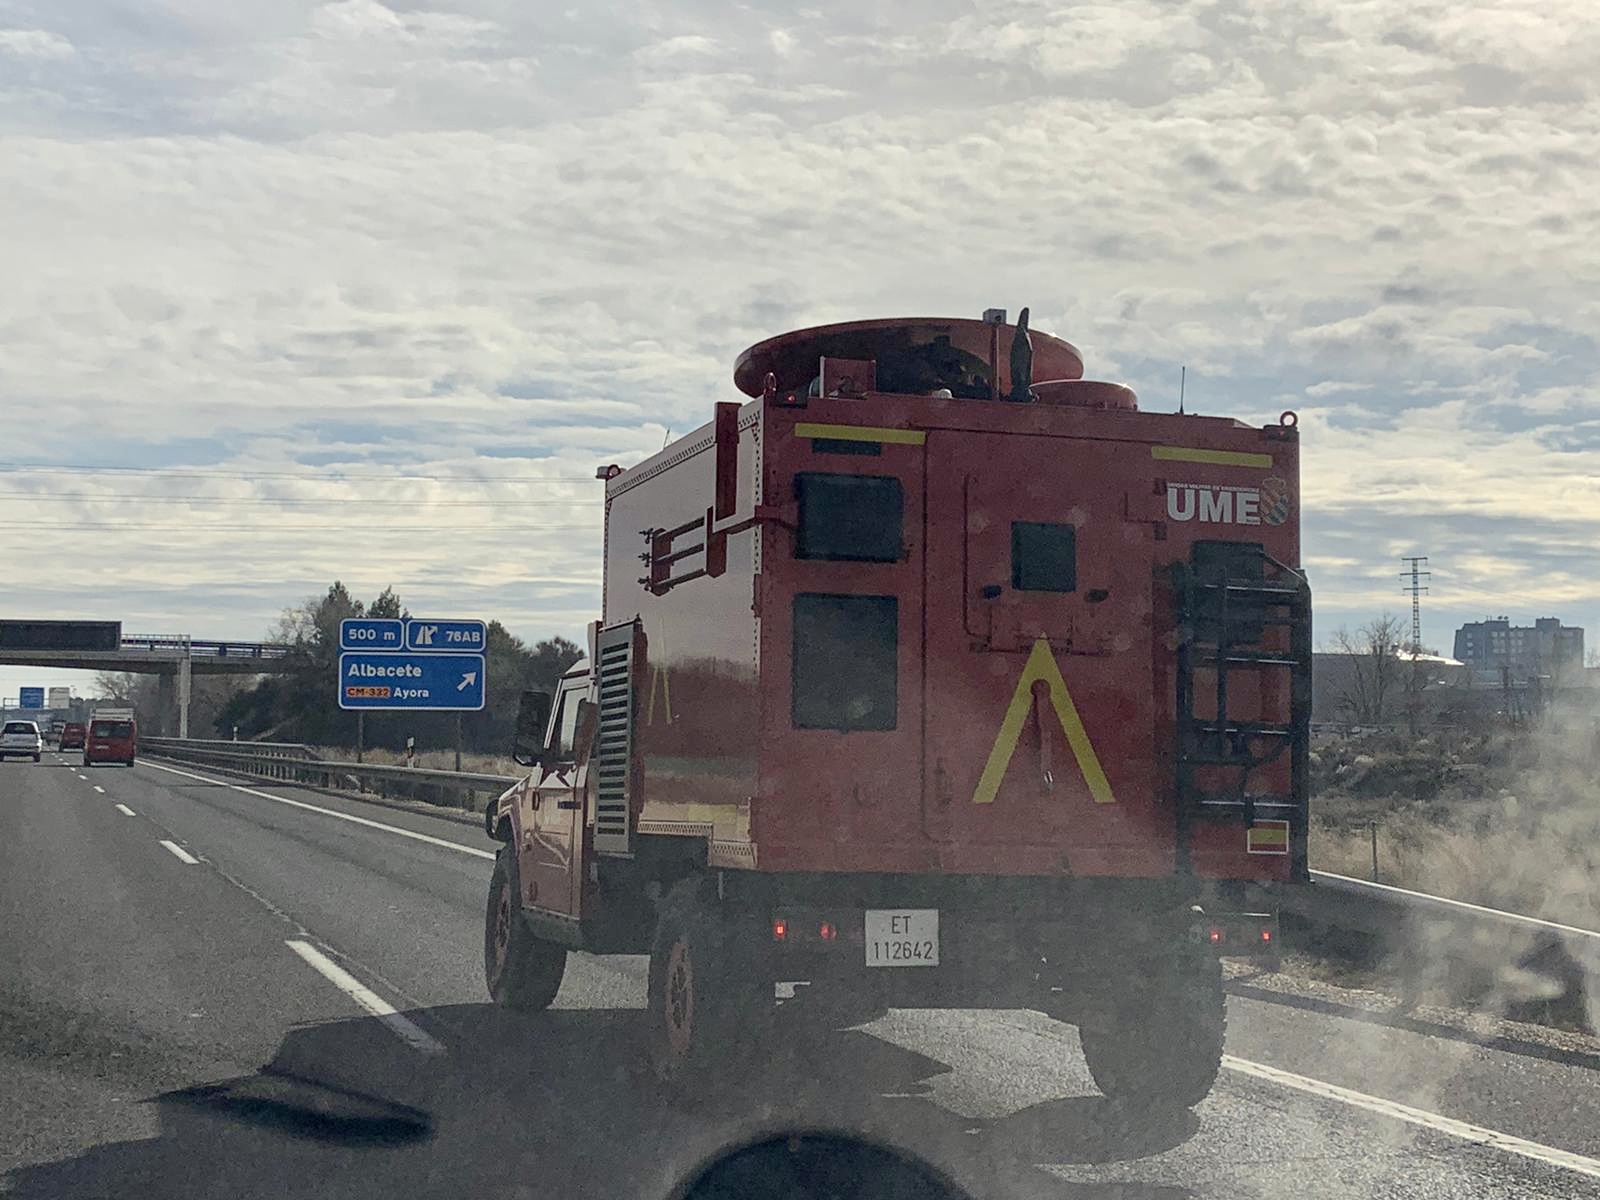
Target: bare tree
[1419,670]
[131,690]
[1375,668]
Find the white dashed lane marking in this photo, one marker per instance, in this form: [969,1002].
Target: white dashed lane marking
[1477,1134]
[126,811]
[407,1031]
[340,816]
[180,853]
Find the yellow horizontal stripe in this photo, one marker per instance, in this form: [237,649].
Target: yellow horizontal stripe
[1268,837]
[863,433]
[1220,458]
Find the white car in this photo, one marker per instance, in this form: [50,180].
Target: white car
[20,739]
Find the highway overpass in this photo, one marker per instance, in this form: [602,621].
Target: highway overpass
[173,658]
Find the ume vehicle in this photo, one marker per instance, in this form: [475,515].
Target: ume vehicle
[931,675]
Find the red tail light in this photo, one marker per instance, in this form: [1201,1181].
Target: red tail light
[827,931]
[1215,935]
[1266,935]
[780,929]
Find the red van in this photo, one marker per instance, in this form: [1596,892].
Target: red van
[111,739]
[73,734]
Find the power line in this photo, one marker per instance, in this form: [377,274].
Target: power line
[121,497]
[308,476]
[1499,599]
[274,527]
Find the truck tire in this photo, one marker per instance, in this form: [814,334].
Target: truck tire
[1164,1048]
[522,971]
[710,1003]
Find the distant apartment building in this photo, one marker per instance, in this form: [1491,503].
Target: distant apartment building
[1547,647]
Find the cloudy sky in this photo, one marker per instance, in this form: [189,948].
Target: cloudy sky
[295,291]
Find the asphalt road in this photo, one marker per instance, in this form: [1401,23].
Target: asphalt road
[205,991]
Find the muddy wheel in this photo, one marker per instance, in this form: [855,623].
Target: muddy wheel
[522,971]
[709,1002]
[1163,1048]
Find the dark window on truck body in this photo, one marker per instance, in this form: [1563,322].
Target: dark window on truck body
[1044,557]
[1232,562]
[848,518]
[846,671]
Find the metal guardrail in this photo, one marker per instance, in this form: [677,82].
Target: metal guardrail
[1379,908]
[1426,938]
[177,643]
[293,762]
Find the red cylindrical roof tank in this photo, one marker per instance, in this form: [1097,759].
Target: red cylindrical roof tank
[919,354]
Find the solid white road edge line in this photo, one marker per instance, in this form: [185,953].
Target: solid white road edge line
[180,853]
[1477,1134]
[126,811]
[368,999]
[330,812]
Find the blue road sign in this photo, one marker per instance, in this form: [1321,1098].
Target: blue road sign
[416,682]
[428,636]
[372,633]
[30,697]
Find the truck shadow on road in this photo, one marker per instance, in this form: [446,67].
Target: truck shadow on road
[558,1104]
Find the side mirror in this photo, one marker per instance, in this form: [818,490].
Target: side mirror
[533,715]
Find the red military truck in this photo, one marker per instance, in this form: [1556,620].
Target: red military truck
[932,675]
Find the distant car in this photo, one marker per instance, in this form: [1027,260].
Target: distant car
[72,735]
[110,740]
[20,739]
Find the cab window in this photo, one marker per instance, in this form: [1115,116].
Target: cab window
[566,723]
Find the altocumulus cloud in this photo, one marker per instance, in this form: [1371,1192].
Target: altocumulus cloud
[394,279]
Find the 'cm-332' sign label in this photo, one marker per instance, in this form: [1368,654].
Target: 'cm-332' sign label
[1217,504]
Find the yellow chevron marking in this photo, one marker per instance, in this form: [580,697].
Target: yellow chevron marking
[1041,664]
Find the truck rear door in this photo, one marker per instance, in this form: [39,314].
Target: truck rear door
[1039,680]
[843,740]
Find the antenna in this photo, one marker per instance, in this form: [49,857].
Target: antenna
[666,437]
[1183,378]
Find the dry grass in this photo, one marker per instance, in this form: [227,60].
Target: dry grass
[1519,828]
[433,760]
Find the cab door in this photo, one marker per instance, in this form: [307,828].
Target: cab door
[1040,691]
[549,858]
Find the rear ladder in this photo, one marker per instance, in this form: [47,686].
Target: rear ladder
[1229,597]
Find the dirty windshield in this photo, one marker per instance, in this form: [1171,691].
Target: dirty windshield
[837,600]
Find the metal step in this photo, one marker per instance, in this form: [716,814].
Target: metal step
[1246,729]
[1242,660]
